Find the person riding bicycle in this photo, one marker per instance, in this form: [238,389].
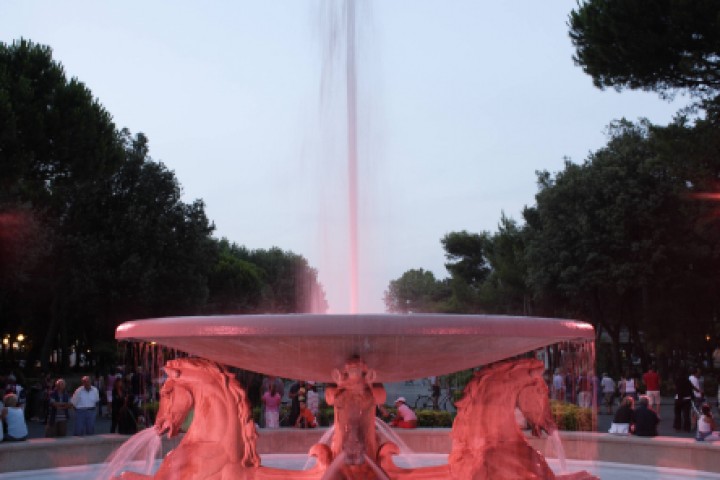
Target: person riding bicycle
[405,416]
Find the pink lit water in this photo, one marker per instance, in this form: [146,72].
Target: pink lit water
[138,454]
[605,470]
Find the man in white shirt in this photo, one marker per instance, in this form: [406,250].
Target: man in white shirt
[85,400]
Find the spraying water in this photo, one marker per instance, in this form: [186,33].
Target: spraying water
[144,446]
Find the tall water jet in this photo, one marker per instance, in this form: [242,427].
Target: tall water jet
[342,104]
[351,82]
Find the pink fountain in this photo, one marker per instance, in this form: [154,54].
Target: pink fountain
[354,355]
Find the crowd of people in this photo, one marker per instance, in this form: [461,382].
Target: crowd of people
[52,404]
[633,400]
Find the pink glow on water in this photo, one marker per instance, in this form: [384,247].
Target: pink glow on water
[144,446]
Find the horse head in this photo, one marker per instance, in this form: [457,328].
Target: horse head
[354,399]
[533,401]
[223,414]
[176,401]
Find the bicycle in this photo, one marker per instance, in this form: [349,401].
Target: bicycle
[425,402]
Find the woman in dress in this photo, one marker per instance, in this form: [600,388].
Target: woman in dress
[271,399]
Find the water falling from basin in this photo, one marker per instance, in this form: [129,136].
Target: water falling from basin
[354,354]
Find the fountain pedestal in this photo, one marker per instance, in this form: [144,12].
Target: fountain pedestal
[486,440]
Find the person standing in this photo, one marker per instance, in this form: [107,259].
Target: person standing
[558,386]
[607,385]
[59,411]
[297,395]
[584,396]
[631,386]
[683,397]
[313,398]
[118,401]
[85,400]
[272,400]
[652,385]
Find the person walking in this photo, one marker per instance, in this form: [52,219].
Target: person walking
[651,379]
[85,400]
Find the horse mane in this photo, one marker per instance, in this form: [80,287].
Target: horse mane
[487,378]
[208,372]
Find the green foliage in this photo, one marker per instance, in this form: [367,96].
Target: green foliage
[662,45]
[326,416]
[235,284]
[99,231]
[434,418]
[570,417]
[415,291]
[465,253]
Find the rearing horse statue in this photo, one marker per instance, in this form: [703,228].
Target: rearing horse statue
[487,442]
[220,443]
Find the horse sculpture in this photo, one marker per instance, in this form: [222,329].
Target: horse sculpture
[487,442]
[355,443]
[220,443]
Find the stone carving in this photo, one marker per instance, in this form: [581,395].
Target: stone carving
[487,443]
[220,442]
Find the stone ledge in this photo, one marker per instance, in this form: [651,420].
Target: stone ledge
[670,452]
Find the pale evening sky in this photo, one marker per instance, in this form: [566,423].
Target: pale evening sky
[460,102]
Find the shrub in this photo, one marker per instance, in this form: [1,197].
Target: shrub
[434,418]
[570,417]
[326,416]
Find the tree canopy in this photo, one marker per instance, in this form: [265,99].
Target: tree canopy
[93,231]
[662,45]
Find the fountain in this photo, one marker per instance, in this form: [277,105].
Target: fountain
[355,354]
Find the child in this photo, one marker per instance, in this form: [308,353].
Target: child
[305,419]
[705,425]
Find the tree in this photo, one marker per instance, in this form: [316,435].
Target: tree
[235,284]
[289,283]
[416,291]
[466,256]
[662,45]
[57,145]
[614,241]
[505,290]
